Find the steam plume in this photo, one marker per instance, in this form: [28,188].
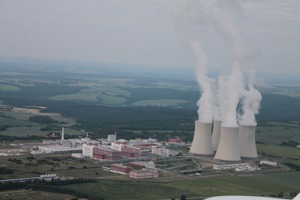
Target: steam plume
[233,84]
[251,99]
[192,19]
[220,103]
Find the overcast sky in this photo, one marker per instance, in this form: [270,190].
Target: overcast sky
[146,32]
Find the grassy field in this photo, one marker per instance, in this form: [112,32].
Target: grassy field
[19,124]
[203,187]
[9,88]
[162,102]
[32,195]
[284,153]
[277,132]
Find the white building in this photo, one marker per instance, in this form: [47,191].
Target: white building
[143,173]
[87,150]
[77,155]
[116,146]
[268,162]
[163,151]
[111,138]
[229,166]
[59,149]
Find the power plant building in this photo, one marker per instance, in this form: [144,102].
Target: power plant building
[87,150]
[143,173]
[216,134]
[119,168]
[135,152]
[104,153]
[163,151]
[202,142]
[228,148]
[247,141]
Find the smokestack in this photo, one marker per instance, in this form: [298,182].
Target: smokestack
[202,143]
[62,135]
[216,134]
[228,149]
[247,141]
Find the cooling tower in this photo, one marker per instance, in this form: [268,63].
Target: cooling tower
[216,135]
[202,143]
[228,148]
[247,141]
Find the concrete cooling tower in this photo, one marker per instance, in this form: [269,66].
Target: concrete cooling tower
[247,141]
[216,135]
[202,143]
[228,149]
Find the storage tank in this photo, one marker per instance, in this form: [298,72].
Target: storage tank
[228,149]
[216,134]
[247,141]
[202,143]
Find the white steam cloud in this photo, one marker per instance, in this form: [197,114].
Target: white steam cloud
[220,102]
[251,99]
[192,19]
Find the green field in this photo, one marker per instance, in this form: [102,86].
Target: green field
[276,132]
[9,88]
[162,102]
[284,153]
[32,195]
[203,187]
[19,125]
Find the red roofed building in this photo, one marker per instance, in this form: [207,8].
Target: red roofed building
[106,153]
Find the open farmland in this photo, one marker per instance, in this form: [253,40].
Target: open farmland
[203,187]
[32,195]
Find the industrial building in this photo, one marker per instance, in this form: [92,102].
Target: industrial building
[135,152]
[216,134]
[228,148]
[174,140]
[121,169]
[112,138]
[247,141]
[60,149]
[268,162]
[87,149]
[142,142]
[202,143]
[163,151]
[143,173]
[229,166]
[141,165]
[104,153]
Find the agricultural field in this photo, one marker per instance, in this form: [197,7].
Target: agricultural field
[280,152]
[273,132]
[200,188]
[32,195]
[62,165]
[17,123]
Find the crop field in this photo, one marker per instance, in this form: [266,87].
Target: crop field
[284,153]
[277,132]
[201,188]
[19,125]
[162,102]
[32,195]
[9,88]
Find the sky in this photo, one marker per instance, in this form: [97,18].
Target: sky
[146,32]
